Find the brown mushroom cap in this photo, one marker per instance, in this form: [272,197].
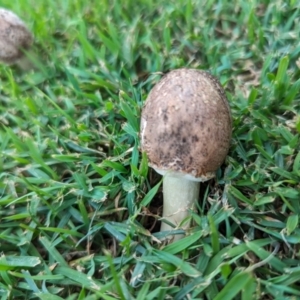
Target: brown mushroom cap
[14,36]
[186,124]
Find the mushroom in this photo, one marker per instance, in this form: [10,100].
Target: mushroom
[14,38]
[185,131]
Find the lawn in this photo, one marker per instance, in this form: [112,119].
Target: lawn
[80,208]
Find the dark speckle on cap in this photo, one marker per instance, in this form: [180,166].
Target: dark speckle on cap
[186,123]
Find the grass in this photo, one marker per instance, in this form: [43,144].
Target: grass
[80,209]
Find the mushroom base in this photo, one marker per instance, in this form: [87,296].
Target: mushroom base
[28,61]
[180,196]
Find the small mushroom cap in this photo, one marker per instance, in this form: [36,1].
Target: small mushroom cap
[14,37]
[186,124]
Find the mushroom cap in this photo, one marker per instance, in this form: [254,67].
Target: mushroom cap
[14,37]
[186,124]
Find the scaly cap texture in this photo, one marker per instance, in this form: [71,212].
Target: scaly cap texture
[14,36]
[186,124]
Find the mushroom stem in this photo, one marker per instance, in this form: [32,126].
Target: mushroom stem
[25,63]
[180,195]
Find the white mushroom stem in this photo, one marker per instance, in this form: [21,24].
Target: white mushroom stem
[25,63]
[180,195]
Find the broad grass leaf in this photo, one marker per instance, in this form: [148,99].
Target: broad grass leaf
[150,195]
[235,285]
